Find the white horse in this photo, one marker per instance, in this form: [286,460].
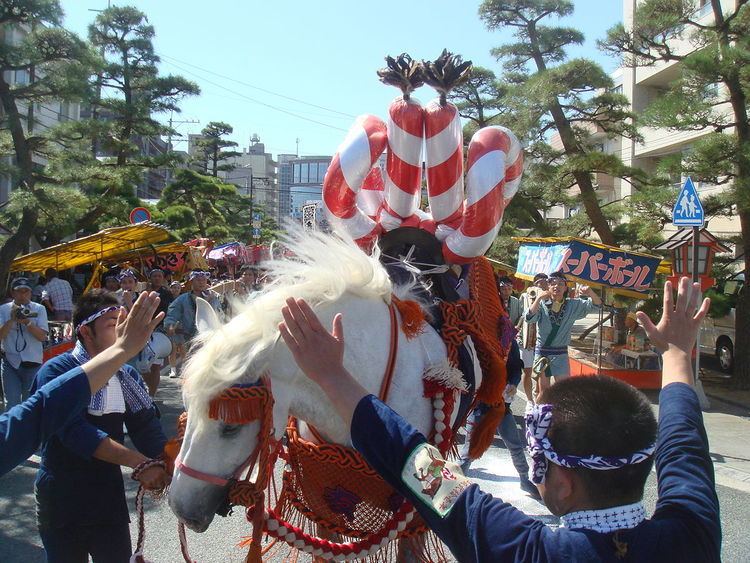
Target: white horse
[334,276]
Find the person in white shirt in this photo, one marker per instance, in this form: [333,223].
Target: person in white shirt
[58,296]
[23,328]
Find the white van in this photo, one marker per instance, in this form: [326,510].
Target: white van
[718,335]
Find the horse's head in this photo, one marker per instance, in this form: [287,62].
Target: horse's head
[225,396]
[228,362]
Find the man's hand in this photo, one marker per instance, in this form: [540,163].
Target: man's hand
[320,355]
[317,352]
[542,294]
[134,329]
[127,299]
[678,326]
[154,478]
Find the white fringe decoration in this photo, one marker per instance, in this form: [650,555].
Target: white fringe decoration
[447,376]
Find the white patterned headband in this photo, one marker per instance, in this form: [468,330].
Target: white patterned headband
[538,420]
[198,274]
[91,318]
[126,274]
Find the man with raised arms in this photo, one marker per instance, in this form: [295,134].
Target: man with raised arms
[593,441]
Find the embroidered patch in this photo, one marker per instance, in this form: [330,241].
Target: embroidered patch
[437,482]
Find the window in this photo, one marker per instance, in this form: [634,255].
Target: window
[305,175]
[702,256]
[322,169]
[296,173]
[712,90]
[616,89]
[21,77]
[704,8]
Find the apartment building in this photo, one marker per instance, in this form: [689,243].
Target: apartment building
[38,116]
[641,85]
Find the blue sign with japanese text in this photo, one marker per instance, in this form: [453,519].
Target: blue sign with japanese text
[688,211]
[588,263]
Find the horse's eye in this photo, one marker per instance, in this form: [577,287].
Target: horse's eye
[228,430]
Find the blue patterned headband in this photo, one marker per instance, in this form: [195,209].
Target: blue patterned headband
[126,274]
[538,420]
[91,318]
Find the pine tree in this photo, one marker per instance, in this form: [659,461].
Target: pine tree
[191,205]
[130,94]
[711,94]
[570,96]
[212,148]
[55,65]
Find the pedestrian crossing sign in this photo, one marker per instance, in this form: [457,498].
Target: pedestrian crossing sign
[688,211]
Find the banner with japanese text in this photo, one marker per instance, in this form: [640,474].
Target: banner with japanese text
[588,263]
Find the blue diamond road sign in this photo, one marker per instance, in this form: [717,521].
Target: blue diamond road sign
[688,211]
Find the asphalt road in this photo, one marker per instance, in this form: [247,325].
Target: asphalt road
[19,540]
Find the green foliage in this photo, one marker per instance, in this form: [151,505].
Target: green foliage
[546,93]
[212,148]
[721,304]
[132,92]
[480,98]
[711,94]
[195,204]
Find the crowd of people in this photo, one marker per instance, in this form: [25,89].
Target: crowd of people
[80,404]
[592,441]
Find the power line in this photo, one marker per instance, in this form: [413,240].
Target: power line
[258,87]
[258,101]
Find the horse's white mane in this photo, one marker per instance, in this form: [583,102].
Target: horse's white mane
[322,270]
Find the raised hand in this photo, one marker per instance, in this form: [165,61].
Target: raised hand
[317,352]
[677,329]
[134,328]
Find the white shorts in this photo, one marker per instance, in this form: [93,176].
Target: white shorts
[527,355]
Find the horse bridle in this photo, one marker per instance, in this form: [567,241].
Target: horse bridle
[262,389]
[235,393]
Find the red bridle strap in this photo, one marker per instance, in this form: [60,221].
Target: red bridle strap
[259,395]
[385,386]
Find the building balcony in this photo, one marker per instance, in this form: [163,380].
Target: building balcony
[658,141]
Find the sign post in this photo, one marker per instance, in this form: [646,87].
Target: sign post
[139,215]
[688,212]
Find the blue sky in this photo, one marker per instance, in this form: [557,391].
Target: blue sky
[323,53]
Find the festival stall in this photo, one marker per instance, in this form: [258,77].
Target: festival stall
[94,251]
[616,273]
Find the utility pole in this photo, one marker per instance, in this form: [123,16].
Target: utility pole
[172,122]
[297,147]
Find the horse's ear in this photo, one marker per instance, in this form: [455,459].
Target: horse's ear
[206,318]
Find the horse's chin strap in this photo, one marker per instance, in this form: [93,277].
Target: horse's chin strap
[214,479]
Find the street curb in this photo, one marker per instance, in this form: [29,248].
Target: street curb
[728,401]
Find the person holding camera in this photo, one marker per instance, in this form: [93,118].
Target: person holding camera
[23,328]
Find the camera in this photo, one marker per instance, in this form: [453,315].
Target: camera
[532,291]
[25,313]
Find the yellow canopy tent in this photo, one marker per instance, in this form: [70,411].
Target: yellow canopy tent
[92,249]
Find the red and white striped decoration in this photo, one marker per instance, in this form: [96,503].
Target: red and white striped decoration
[445,163]
[370,198]
[354,158]
[403,170]
[495,165]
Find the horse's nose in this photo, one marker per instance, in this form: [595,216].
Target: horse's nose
[195,525]
[188,516]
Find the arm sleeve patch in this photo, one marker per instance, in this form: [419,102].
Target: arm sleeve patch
[436,482]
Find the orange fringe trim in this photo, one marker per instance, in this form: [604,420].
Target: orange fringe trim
[491,356]
[412,317]
[239,405]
